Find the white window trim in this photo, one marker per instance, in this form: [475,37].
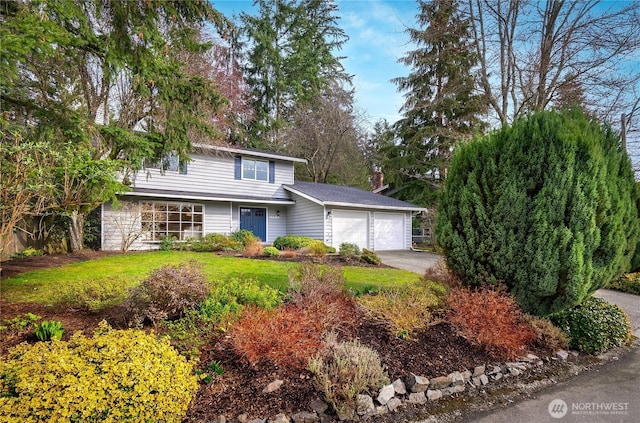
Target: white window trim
[255,169]
[149,234]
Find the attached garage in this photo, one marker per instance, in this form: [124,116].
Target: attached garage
[350,226]
[348,214]
[389,231]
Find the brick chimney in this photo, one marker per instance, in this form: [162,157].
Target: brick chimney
[377,180]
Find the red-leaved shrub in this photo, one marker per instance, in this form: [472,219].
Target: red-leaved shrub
[286,337]
[491,319]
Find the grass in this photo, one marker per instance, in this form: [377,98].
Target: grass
[41,286]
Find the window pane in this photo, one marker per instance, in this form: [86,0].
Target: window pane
[262,171]
[181,221]
[249,169]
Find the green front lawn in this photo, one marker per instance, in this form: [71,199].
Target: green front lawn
[40,286]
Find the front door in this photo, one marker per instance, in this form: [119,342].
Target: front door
[254,220]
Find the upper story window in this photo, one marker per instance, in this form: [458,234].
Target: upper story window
[169,162]
[257,170]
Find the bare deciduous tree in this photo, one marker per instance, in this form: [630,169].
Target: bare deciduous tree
[531,51]
[327,133]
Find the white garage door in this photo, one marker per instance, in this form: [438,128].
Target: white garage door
[350,226]
[389,230]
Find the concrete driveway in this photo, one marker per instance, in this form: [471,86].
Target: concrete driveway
[413,261]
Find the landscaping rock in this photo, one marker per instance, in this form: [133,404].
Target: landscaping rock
[305,417]
[394,403]
[466,375]
[497,376]
[478,370]
[257,421]
[279,418]
[273,386]
[324,418]
[242,418]
[220,419]
[494,370]
[481,380]
[434,394]
[364,405]
[381,409]
[456,379]
[453,390]
[562,354]
[318,406]
[399,387]
[440,382]
[514,372]
[417,398]
[386,393]
[417,383]
[345,413]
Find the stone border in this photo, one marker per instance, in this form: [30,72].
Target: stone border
[413,390]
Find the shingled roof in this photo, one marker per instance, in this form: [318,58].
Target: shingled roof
[337,195]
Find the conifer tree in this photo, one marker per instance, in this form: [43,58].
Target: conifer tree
[441,106]
[291,60]
[546,206]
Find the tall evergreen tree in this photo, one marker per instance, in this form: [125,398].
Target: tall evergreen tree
[441,105]
[290,60]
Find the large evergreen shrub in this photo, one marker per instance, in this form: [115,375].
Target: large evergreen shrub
[546,206]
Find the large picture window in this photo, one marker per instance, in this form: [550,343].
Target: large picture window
[178,220]
[255,169]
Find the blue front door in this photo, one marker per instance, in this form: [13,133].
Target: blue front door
[254,220]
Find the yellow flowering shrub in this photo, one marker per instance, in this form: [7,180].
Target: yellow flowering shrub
[114,376]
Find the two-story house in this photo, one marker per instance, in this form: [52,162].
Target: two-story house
[224,189]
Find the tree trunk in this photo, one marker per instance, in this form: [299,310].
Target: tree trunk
[76,231]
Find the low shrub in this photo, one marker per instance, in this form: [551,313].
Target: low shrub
[441,273]
[490,319]
[286,253]
[270,252]
[291,242]
[595,326]
[407,308]
[28,252]
[167,293]
[167,243]
[48,330]
[370,257]
[243,236]
[349,250]
[18,325]
[547,335]
[117,375]
[93,295]
[345,369]
[213,243]
[320,292]
[284,337]
[253,247]
[317,248]
[629,282]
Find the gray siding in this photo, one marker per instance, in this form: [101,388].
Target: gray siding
[276,226]
[119,224]
[215,175]
[217,218]
[307,218]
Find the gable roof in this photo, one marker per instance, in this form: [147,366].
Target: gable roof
[337,195]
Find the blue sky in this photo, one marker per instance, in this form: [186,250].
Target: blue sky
[376,41]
